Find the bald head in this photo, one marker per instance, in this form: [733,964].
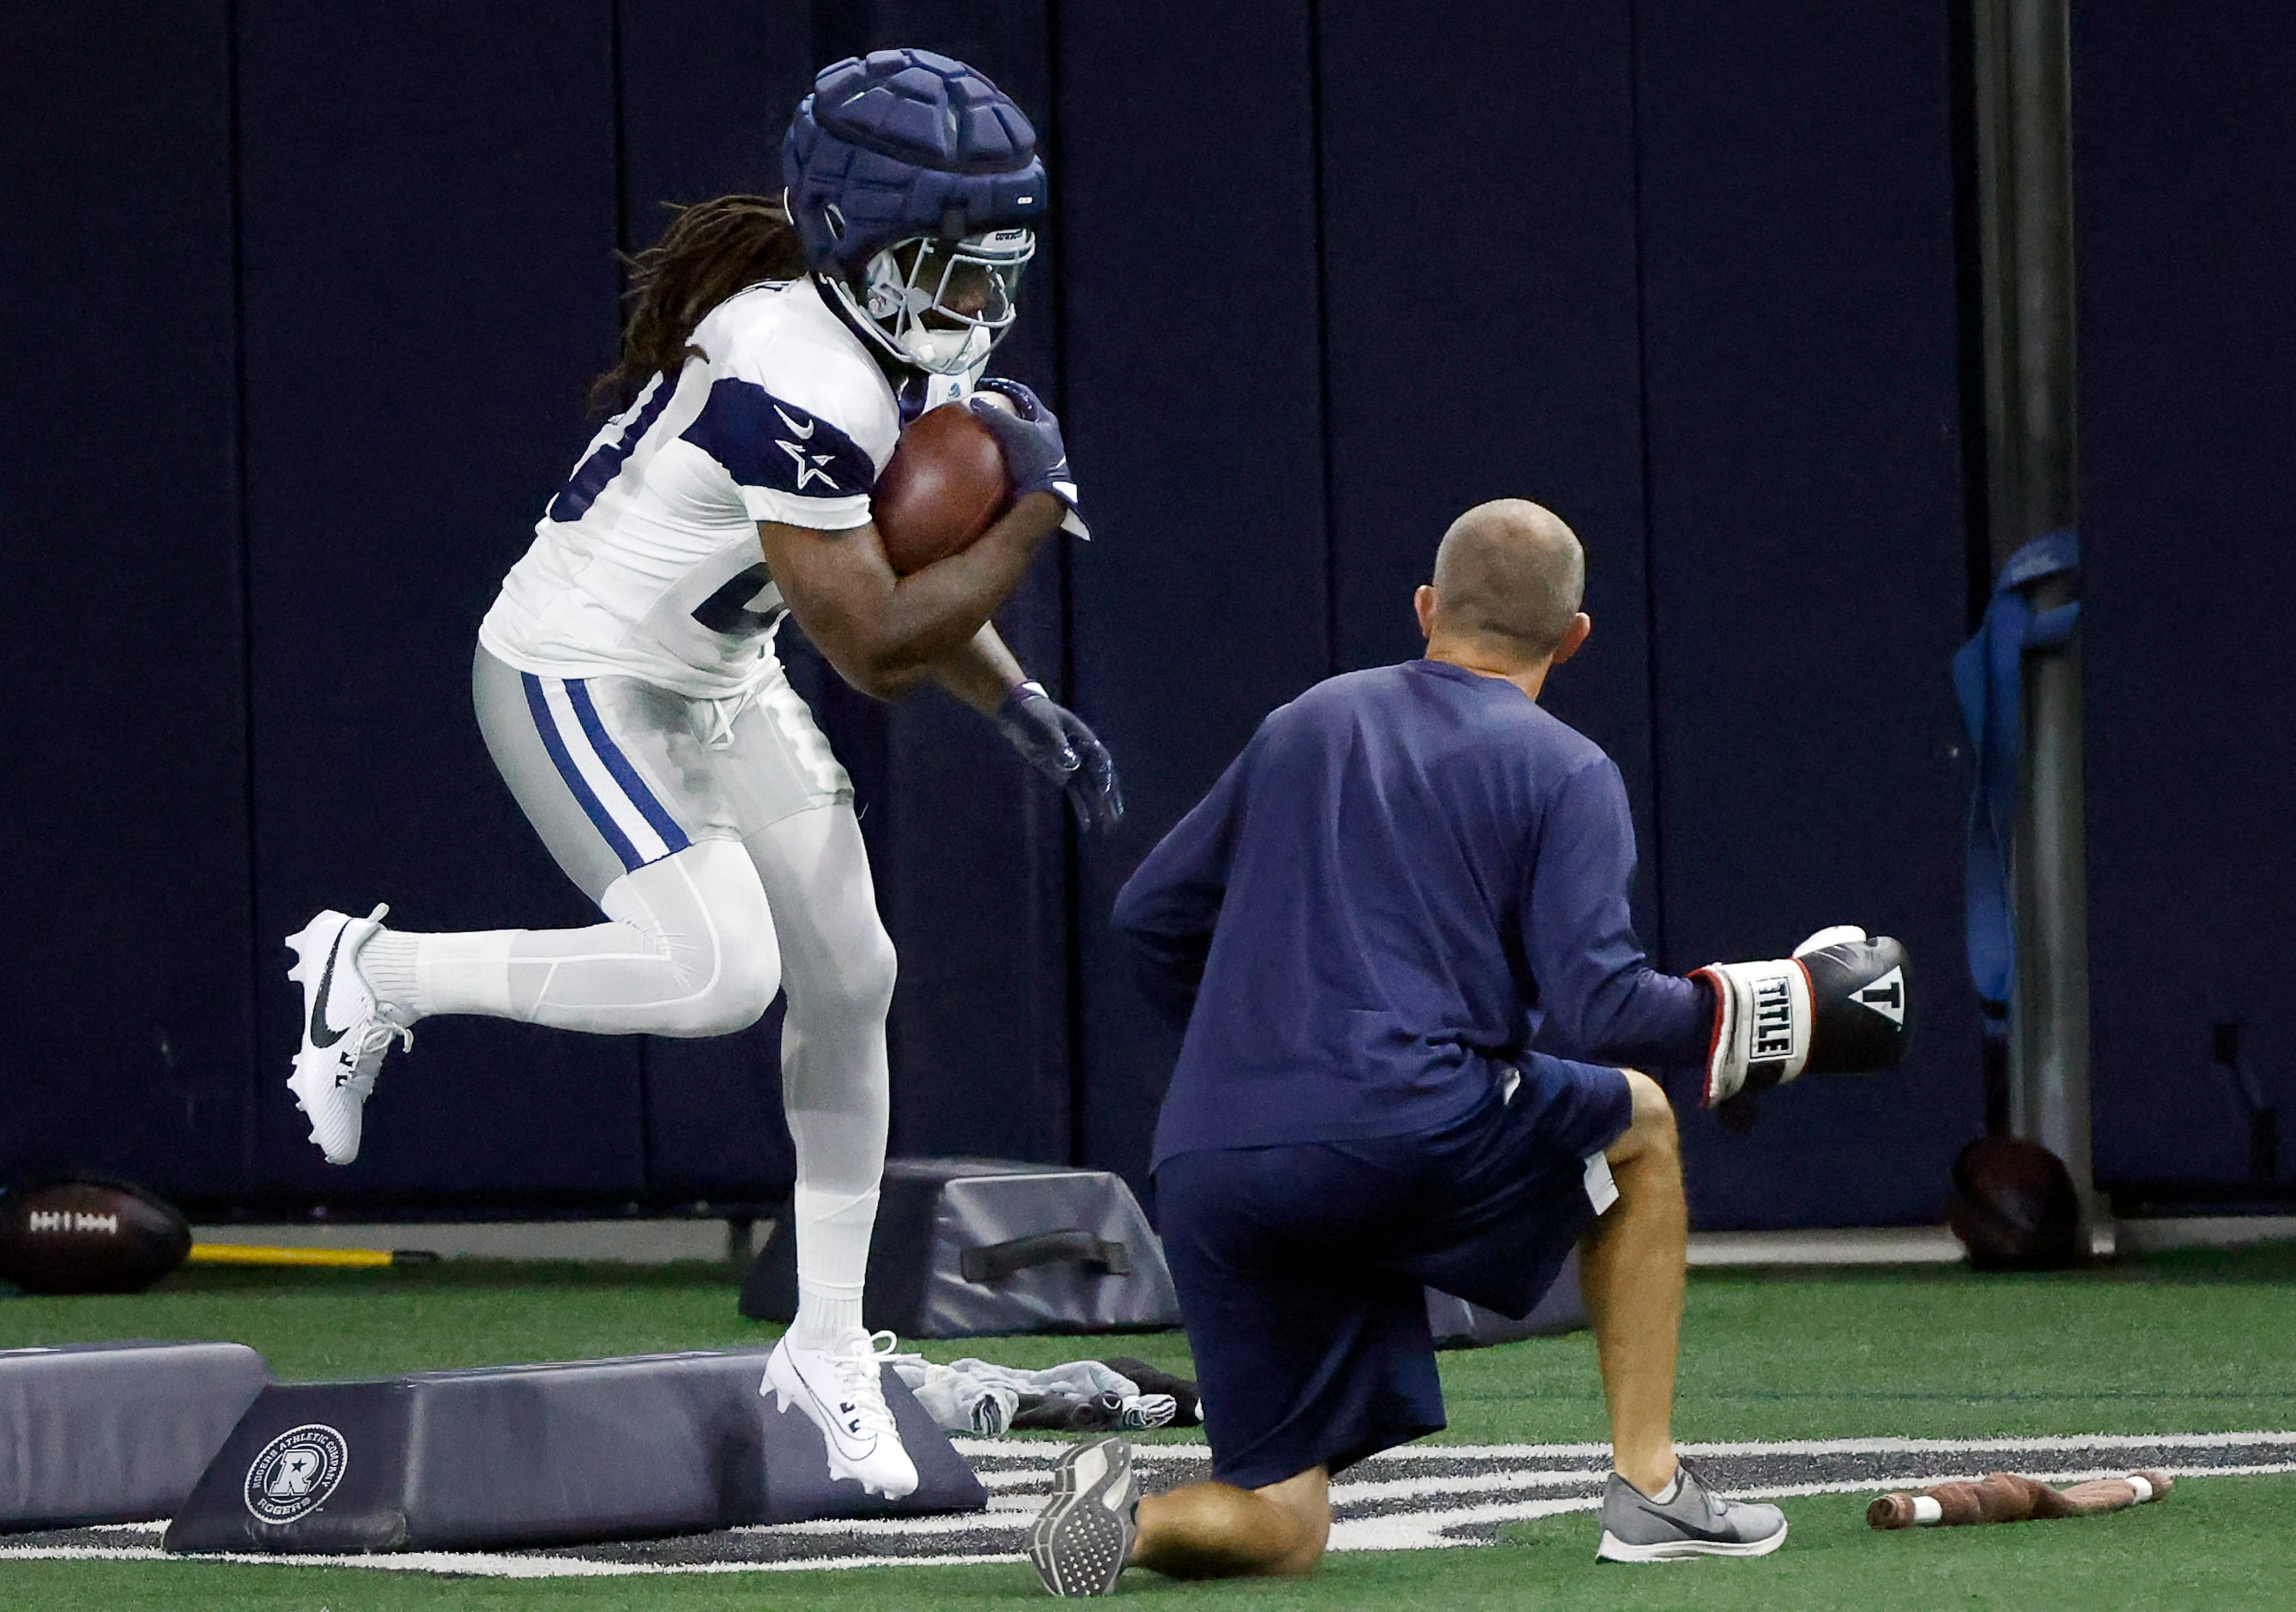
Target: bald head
[1511,575]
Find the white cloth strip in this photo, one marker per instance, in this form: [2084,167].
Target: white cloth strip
[1602,1187]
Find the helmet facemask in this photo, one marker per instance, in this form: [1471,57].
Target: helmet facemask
[940,305]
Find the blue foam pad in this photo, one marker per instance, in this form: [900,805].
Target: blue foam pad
[115,1432]
[568,1454]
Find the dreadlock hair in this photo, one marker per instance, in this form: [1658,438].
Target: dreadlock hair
[711,250]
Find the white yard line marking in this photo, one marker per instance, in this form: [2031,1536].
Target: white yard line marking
[1004,1510]
[1433,1530]
[1344,1491]
[976,1449]
[1441,1527]
[1835,1446]
[478,1565]
[1345,1494]
[1049,1449]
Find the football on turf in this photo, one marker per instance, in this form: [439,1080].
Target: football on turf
[88,1236]
[944,486]
[2013,1207]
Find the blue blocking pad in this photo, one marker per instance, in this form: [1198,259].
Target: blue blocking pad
[571,1453]
[115,1432]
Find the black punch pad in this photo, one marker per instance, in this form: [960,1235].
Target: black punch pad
[983,1247]
[508,1456]
[1457,1324]
[115,1432]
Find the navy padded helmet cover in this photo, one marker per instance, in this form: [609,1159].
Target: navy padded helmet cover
[906,143]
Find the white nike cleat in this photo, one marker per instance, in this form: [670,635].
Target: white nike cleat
[346,1031]
[841,1393]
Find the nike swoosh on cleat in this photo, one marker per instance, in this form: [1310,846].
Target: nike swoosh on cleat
[849,1442]
[321,1036]
[853,1447]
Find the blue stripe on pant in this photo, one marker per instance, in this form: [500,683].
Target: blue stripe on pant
[546,725]
[673,837]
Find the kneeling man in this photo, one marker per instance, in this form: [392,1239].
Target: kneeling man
[1389,916]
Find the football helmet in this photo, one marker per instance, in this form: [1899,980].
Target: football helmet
[914,183]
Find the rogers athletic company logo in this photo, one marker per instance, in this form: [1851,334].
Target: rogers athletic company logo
[295,1473]
[1773,1019]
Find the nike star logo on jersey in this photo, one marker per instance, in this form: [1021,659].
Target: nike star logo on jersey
[809,465]
[321,1035]
[801,432]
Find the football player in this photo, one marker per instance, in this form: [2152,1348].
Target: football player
[629,691]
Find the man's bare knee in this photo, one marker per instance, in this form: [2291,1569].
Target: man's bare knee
[1651,1128]
[1305,1500]
[1216,1531]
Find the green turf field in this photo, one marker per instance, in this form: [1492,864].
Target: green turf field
[2187,1343]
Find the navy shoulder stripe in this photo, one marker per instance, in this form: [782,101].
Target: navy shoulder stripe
[763,441]
[590,477]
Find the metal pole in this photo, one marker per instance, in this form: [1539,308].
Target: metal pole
[2023,102]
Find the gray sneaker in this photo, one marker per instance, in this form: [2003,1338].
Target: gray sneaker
[1697,1522]
[1081,1540]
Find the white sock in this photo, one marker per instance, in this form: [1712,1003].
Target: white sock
[827,1318]
[1673,1487]
[423,974]
[833,1263]
[387,962]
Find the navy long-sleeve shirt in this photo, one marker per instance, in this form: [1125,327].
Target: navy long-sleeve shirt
[1410,875]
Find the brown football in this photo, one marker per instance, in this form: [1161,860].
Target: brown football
[944,486]
[88,1235]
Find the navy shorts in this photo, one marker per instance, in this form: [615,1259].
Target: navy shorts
[1302,1269]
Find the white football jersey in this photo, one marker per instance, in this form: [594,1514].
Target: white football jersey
[646,563]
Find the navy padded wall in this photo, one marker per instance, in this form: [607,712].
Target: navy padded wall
[1189,296]
[968,852]
[705,93]
[1483,326]
[429,201]
[2183,137]
[972,852]
[125,997]
[430,194]
[1808,558]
